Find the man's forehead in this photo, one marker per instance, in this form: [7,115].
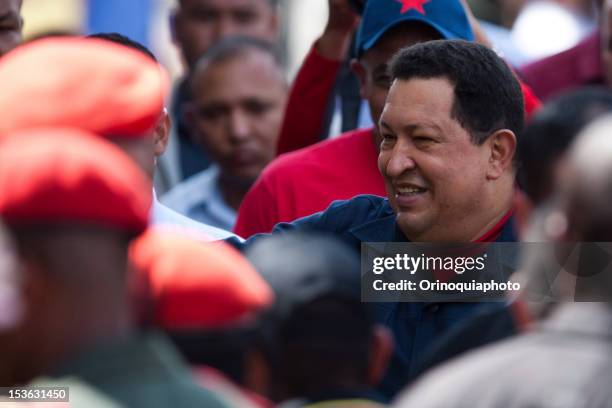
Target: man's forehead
[421,90]
[224,4]
[9,6]
[249,63]
[428,98]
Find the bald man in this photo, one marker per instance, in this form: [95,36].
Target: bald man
[239,95]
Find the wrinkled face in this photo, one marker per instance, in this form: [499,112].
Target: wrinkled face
[374,79]
[435,176]
[200,23]
[10,25]
[237,111]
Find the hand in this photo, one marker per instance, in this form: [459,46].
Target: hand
[341,24]
[479,34]
[342,17]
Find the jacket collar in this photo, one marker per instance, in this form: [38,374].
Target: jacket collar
[385,229]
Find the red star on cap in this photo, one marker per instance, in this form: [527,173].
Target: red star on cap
[412,4]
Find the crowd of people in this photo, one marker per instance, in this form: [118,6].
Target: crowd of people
[242,284]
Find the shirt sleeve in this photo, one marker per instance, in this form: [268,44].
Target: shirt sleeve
[307,101]
[258,211]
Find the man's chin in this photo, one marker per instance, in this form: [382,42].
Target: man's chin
[412,225]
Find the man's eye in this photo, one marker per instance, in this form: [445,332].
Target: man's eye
[211,113]
[9,27]
[256,107]
[423,140]
[204,15]
[244,17]
[388,139]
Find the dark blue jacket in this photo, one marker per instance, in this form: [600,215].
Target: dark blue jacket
[368,218]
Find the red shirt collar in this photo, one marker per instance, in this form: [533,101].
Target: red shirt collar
[492,234]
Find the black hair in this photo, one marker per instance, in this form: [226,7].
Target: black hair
[235,46]
[223,349]
[550,133]
[126,41]
[324,344]
[488,96]
[273,3]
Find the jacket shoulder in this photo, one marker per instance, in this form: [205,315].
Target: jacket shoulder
[342,215]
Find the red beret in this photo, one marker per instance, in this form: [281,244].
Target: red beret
[197,285]
[85,83]
[67,175]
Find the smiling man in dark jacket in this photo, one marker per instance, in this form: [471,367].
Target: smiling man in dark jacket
[449,129]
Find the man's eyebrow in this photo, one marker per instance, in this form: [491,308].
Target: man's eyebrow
[411,127]
[9,15]
[384,124]
[417,126]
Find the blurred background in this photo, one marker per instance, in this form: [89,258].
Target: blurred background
[147,21]
[524,30]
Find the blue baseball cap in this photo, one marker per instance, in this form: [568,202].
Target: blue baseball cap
[379,16]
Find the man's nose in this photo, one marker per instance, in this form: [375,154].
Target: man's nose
[239,126]
[401,160]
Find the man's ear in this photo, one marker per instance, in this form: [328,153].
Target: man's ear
[162,134]
[380,352]
[502,145]
[360,72]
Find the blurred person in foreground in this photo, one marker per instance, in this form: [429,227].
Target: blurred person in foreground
[73,203]
[343,167]
[587,63]
[108,85]
[196,26]
[325,348]
[238,96]
[210,301]
[550,133]
[565,361]
[11,24]
[449,131]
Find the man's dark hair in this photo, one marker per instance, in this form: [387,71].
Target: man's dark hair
[488,97]
[272,3]
[551,131]
[319,333]
[235,46]
[225,350]
[126,41]
[324,344]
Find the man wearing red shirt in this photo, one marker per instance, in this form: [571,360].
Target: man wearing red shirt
[343,167]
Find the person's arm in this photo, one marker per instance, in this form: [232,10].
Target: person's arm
[314,83]
[340,216]
[315,222]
